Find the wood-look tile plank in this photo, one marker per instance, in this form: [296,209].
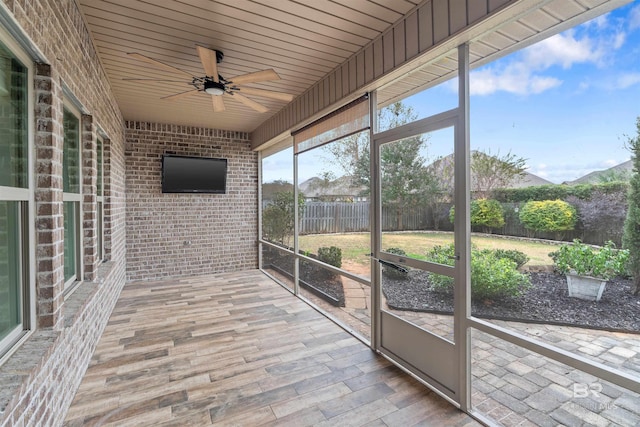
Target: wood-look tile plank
[361,415]
[407,391]
[140,411]
[238,349]
[190,418]
[276,381]
[255,417]
[321,381]
[248,404]
[203,398]
[309,400]
[304,418]
[436,412]
[354,400]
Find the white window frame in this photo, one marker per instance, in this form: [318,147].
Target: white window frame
[77,199]
[26,199]
[100,197]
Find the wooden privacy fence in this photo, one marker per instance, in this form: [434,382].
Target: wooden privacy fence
[345,217]
[334,217]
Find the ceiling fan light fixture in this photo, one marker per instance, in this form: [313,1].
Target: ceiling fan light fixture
[214,88]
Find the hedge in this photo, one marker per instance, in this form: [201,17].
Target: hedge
[557,191]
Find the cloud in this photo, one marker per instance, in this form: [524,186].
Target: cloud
[515,80]
[525,76]
[634,18]
[619,40]
[531,71]
[562,49]
[626,80]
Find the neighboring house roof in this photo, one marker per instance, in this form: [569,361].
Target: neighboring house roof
[594,177]
[271,188]
[315,188]
[527,179]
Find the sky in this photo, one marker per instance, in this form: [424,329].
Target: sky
[566,104]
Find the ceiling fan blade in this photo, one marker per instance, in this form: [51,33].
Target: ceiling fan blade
[266,93]
[218,104]
[258,76]
[209,62]
[180,95]
[249,103]
[158,64]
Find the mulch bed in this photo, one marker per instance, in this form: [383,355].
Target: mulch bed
[313,278]
[547,301]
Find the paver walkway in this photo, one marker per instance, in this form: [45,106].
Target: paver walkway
[518,388]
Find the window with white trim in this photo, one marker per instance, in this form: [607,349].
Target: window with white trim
[16,192]
[100,197]
[72,196]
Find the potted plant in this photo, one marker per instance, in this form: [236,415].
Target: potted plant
[588,268]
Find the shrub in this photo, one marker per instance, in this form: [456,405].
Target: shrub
[585,260]
[487,213]
[536,192]
[392,270]
[484,213]
[495,278]
[278,217]
[557,191]
[331,255]
[442,255]
[396,251]
[548,215]
[492,277]
[519,257]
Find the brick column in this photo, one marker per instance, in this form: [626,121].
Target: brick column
[48,194]
[89,200]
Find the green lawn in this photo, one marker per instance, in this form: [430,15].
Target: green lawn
[355,246]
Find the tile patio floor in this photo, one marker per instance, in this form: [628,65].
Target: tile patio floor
[237,349]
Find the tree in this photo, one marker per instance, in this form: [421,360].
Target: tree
[351,154]
[406,180]
[346,153]
[495,171]
[631,236]
[614,175]
[278,217]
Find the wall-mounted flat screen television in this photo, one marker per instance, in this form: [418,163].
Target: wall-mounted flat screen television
[182,174]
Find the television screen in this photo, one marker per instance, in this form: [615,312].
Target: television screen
[181,174]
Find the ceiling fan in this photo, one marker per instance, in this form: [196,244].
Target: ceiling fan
[216,85]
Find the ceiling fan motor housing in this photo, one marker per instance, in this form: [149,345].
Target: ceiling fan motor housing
[214,88]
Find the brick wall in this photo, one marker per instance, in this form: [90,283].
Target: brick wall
[171,235]
[38,381]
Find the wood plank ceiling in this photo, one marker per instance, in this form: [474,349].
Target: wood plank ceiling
[301,41]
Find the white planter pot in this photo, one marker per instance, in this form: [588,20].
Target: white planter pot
[585,287]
